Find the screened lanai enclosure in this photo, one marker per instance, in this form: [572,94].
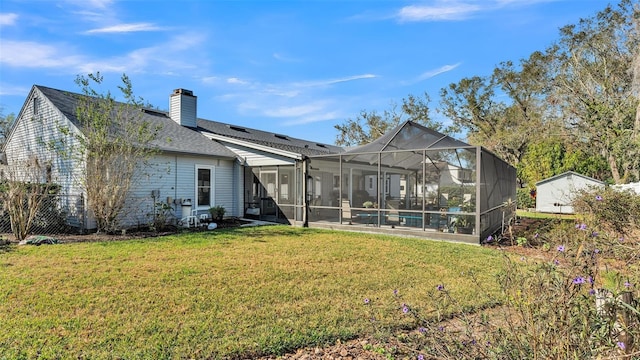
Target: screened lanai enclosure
[416,180]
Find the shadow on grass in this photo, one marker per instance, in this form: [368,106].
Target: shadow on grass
[6,247]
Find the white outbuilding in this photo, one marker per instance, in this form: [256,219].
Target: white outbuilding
[555,194]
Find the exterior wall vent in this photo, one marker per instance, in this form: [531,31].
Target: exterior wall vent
[183,108]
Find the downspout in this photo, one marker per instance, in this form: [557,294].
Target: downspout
[478,192]
[305,197]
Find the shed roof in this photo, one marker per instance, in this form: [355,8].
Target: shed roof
[567,174]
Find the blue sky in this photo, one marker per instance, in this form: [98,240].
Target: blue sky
[293,67]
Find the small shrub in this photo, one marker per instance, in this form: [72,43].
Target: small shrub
[217,212]
[524,198]
[618,211]
[580,301]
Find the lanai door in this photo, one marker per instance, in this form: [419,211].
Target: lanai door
[268,179]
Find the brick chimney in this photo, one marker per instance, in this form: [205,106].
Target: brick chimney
[183,107]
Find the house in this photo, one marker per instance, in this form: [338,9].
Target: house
[200,163]
[555,194]
[417,180]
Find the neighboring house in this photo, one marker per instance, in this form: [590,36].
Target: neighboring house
[555,194]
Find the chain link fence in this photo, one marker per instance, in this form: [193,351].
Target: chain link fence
[58,214]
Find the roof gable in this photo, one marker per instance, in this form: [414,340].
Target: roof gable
[171,136]
[568,174]
[409,136]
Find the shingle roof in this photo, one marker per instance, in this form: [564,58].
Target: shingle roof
[171,136]
[568,174]
[274,140]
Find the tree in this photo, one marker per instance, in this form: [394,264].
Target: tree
[24,188]
[370,125]
[114,145]
[592,87]
[6,122]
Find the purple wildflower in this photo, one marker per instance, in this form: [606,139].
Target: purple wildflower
[590,280]
[592,292]
[627,284]
[579,280]
[405,309]
[366,301]
[536,235]
[599,198]
[582,226]
[440,328]
[561,248]
[422,330]
[420,357]
[440,287]
[594,234]
[621,345]
[489,238]
[596,251]
[395,292]
[556,262]
[621,239]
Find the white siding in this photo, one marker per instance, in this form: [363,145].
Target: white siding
[556,195]
[35,133]
[174,177]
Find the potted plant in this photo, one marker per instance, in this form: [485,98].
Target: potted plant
[464,224]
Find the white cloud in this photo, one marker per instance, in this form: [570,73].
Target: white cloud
[284,58]
[295,111]
[444,12]
[236,81]
[125,28]
[95,4]
[161,58]
[315,117]
[29,54]
[12,90]
[327,82]
[8,19]
[296,103]
[431,73]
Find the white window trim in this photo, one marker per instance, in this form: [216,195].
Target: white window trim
[212,188]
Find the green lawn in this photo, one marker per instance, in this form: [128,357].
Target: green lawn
[220,294]
[540,215]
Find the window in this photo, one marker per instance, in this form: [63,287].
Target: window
[204,176]
[35,106]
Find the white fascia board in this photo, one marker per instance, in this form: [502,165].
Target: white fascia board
[251,145]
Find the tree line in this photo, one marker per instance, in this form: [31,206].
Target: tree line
[572,106]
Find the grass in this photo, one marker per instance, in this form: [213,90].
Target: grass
[539,215]
[225,294]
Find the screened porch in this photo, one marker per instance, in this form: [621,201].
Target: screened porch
[414,181]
